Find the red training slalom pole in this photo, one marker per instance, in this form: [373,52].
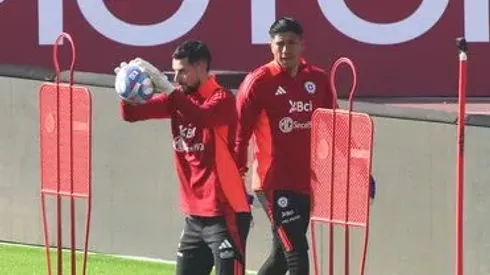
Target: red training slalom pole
[463,48]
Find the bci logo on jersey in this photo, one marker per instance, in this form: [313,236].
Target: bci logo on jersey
[187,132]
[300,106]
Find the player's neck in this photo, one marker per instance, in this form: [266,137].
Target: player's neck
[292,71]
[204,78]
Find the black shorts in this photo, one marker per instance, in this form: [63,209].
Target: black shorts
[213,241]
[289,213]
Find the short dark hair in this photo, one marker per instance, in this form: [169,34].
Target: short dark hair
[286,24]
[194,51]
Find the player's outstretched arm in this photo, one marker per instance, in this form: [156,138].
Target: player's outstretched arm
[218,110]
[155,108]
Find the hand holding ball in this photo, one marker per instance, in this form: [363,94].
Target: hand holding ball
[133,84]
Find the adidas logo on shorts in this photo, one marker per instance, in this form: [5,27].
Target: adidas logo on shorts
[226,250]
[225,245]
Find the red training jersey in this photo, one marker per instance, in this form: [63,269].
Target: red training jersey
[275,112]
[203,129]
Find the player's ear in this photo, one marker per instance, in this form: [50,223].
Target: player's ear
[272,46]
[201,66]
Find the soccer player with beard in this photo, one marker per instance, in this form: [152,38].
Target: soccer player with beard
[213,196]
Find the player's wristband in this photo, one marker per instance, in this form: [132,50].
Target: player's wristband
[250,199]
[372,187]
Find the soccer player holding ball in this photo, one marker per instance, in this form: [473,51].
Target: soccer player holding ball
[275,103]
[203,121]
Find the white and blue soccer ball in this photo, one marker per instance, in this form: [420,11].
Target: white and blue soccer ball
[133,84]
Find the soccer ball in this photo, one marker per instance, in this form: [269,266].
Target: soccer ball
[133,84]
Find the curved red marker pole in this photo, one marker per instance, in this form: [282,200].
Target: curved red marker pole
[463,48]
[58,198]
[335,67]
[73,56]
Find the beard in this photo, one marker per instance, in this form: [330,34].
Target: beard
[190,89]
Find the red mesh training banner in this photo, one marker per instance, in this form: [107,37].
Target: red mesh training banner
[56,139]
[331,166]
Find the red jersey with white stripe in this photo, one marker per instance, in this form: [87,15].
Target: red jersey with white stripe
[203,129]
[275,112]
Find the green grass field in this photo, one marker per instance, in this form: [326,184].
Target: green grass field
[25,260]
[31,260]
